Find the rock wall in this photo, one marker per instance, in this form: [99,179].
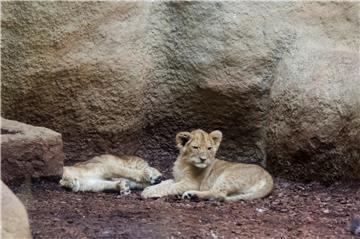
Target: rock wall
[314,123]
[125,77]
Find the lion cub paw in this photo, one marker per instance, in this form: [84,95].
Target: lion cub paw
[189,195]
[123,187]
[125,192]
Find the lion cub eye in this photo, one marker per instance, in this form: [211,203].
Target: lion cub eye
[195,147]
[209,148]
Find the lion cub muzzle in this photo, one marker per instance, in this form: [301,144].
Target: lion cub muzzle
[157,180]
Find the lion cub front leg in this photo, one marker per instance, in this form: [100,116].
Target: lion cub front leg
[167,188]
[158,190]
[99,185]
[208,195]
[137,186]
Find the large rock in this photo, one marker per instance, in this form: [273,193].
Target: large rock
[28,151]
[14,222]
[314,114]
[314,130]
[124,77]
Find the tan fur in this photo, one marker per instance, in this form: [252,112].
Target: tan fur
[197,173]
[109,172]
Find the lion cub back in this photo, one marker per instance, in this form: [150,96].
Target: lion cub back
[109,160]
[104,165]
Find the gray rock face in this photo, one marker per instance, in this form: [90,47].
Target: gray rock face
[314,130]
[125,77]
[28,151]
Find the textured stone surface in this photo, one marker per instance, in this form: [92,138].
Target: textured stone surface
[14,218]
[125,77]
[314,130]
[28,151]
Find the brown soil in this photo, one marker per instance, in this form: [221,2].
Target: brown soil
[294,210]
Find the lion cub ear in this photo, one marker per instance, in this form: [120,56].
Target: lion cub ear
[217,137]
[182,138]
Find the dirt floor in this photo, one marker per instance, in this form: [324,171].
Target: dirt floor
[294,210]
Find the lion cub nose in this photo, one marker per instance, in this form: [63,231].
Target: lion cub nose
[158,180]
[202,159]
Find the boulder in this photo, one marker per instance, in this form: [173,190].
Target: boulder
[14,219]
[28,151]
[314,123]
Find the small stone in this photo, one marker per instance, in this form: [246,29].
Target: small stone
[261,210]
[326,211]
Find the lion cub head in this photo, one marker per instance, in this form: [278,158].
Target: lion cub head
[198,147]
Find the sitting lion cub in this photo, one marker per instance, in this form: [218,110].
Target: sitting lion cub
[198,174]
[108,172]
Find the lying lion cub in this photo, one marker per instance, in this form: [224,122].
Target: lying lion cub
[108,172]
[198,174]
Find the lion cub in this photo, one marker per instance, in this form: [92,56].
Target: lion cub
[109,172]
[198,174]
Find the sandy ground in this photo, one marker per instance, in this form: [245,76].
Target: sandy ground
[294,210]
